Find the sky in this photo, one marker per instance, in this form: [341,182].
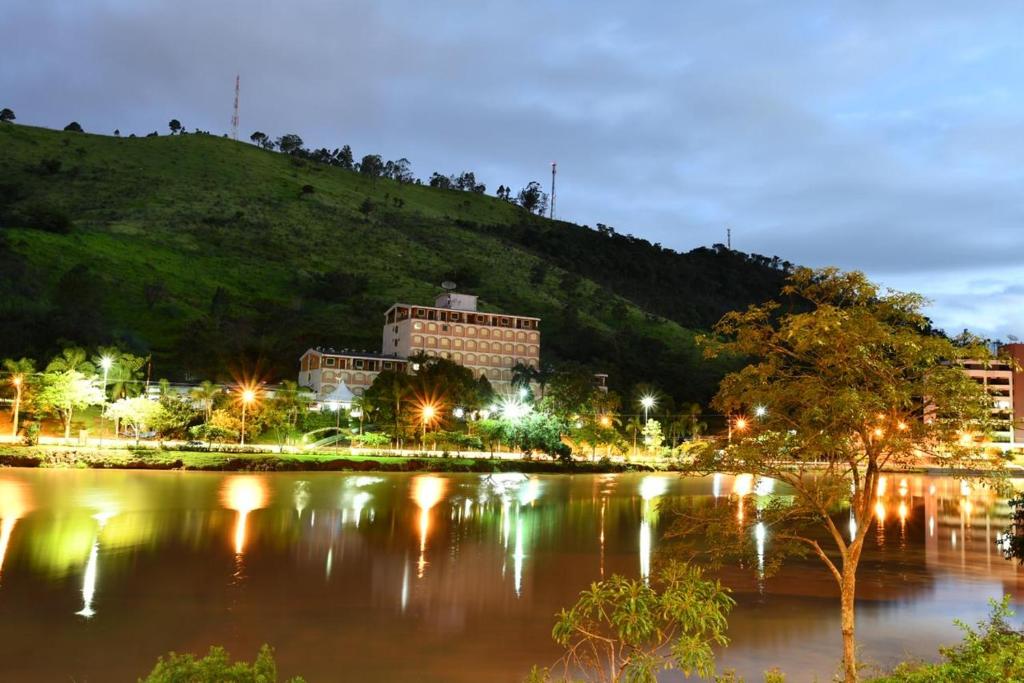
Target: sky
[883,137]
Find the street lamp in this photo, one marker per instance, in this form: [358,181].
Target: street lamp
[427,412]
[459,413]
[105,363]
[760,411]
[16,381]
[248,396]
[740,424]
[336,407]
[647,402]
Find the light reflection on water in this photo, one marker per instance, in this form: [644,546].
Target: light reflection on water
[340,567]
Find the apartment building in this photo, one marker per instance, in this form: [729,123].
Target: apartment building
[489,344]
[996,376]
[1014,353]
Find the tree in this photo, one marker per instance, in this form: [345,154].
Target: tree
[653,437]
[533,198]
[290,402]
[440,181]
[71,359]
[65,391]
[852,382]
[258,138]
[7,115]
[372,165]
[21,373]
[290,143]
[126,373]
[205,394]
[345,159]
[216,666]
[634,427]
[175,126]
[392,393]
[400,171]
[74,127]
[138,413]
[628,630]
[570,391]
[522,375]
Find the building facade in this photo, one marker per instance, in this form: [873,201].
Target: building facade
[1015,354]
[325,370]
[996,376]
[489,344]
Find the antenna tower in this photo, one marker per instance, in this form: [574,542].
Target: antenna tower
[234,115]
[728,238]
[554,170]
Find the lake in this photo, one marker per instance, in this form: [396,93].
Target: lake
[413,577]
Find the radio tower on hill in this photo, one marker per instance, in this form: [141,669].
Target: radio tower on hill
[554,170]
[234,115]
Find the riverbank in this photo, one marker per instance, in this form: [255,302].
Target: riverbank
[239,461]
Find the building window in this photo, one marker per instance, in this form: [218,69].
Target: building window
[359,364]
[444,328]
[329,362]
[417,326]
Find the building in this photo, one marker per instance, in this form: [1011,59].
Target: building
[489,344]
[997,376]
[325,371]
[1015,354]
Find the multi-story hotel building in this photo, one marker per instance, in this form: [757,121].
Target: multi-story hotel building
[489,344]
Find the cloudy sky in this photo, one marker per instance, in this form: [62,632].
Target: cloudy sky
[885,137]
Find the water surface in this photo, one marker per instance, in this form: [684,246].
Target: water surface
[402,577]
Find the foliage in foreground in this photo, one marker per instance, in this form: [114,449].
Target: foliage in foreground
[992,652]
[628,630]
[216,667]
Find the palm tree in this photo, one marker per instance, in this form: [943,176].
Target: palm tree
[205,394]
[695,425]
[523,375]
[71,359]
[365,406]
[635,426]
[20,370]
[290,401]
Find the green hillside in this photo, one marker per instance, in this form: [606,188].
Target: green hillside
[208,254]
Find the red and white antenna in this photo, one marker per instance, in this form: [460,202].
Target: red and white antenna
[554,170]
[234,115]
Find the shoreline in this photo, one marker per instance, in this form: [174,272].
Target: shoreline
[31,457]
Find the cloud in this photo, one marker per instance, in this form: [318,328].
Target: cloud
[883,138]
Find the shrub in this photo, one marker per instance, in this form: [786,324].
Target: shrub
[992,653]
[216,666]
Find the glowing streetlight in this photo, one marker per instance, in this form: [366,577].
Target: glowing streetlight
[605,421]
[647,402]
[106,362]
[459,413]
[523,392]
[428,413]
[248,397]
[741,423]
[760,411]
[17,381]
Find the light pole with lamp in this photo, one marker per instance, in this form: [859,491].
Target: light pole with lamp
[647,402]
[248,396]
[336,407]
[106,362]
[428,415]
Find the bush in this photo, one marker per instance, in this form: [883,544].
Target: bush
[991,654]
[45,217]
[216,667]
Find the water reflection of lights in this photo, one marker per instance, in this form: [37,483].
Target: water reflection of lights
[716,485]
[530,492]
[902,511]
[243,494]
[92,568]
[765,486]
[359,501]
[651,488]
[14,504]
[853,526]
[759,534]
[742,485]
[518,555]
[301,497]
[883,484]
[880,512]
[427,491]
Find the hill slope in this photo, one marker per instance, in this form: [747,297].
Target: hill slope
[208,254]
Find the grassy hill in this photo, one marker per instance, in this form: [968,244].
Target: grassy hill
[208,254]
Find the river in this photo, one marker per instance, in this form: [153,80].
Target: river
[406,577]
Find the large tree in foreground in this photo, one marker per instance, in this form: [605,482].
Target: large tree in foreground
[849,382]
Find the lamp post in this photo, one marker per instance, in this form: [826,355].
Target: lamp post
[647,402]
[428,415]
[105,363]
[741,424]
[248,396]
[16,381]
[336,407]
